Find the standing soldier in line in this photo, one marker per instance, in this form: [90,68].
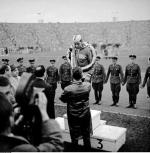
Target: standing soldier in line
[65,73]
[133,79]
[115,79]
[21,67]
[32,67]
[52,77]
[98,79]
[147,79]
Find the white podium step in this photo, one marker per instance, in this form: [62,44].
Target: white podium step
[109,138]
[105,137]
[95,115]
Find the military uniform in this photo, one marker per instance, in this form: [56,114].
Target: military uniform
[21,69]
[98,78]
[65,73]
[31,69]
[52,79]
[115,80]
[133,79]
[147,79]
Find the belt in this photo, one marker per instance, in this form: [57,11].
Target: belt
[132,75]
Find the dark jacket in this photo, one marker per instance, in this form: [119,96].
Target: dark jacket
[51,140]
[132,74]
[39,83]
[116,74]
[147,77]
[31,69]
[76,96]
[21,69]
[52,75]
[65,72]
[98,74]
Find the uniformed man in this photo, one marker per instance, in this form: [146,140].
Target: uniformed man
[98,79]
[83,55]
[5,61]
[21,67]
[65,73]
[115,80]
[32,67]
[52,77]
[133,79]
[147,79]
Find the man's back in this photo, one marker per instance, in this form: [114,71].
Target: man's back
[77,98]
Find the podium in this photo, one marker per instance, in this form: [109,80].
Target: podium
[105,137]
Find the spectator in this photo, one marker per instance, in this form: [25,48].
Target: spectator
[5,70]
[21,67]
[14,79]
[51,134]
[76,96]
[40,84]
[6,89]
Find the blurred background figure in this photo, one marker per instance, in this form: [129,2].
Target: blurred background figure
[40,84]
[5,70]
[5,61]
[147,79]
[21,67]
[15,78]
[6,89]
[32,67]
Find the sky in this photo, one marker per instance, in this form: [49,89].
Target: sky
[31,11]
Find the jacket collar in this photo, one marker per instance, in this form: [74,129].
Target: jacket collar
[77,82]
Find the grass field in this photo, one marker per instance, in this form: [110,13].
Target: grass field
[142,102]
[137,121]
[56,38]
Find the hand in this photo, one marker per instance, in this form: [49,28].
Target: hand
[41,101]
[59,82]
[141,86]
[105,82]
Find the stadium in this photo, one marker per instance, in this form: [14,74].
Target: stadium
[45,41]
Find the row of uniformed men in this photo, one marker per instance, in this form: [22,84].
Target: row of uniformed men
[132,77]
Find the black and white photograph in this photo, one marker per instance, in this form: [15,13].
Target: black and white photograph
[74,75]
